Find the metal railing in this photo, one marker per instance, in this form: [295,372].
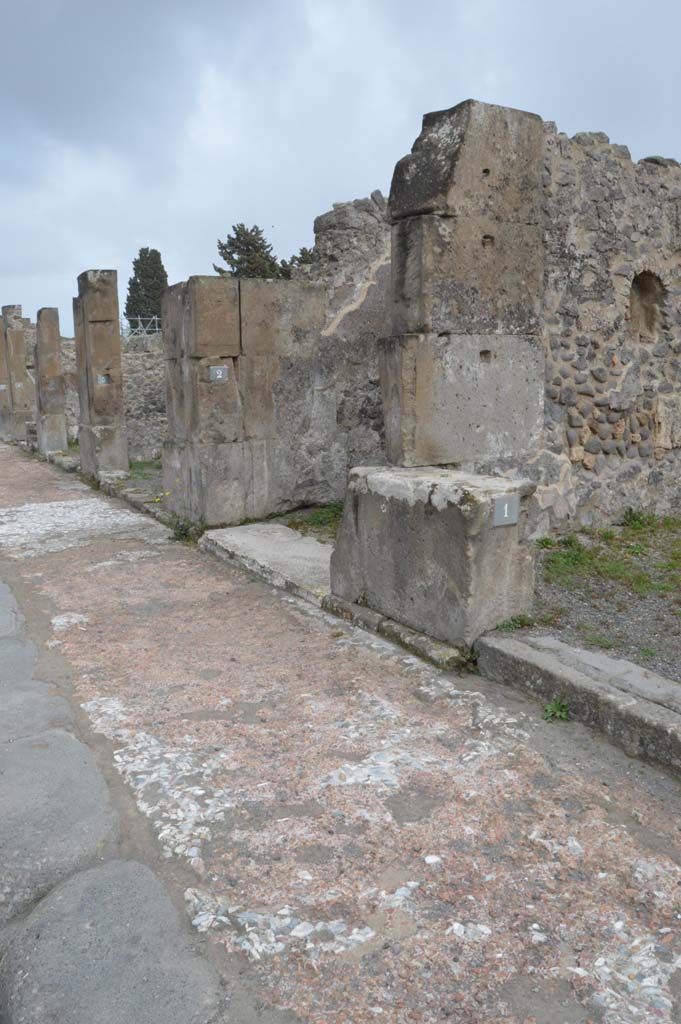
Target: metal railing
[140,326]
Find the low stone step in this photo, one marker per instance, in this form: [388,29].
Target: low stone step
[637,710]
[281,556]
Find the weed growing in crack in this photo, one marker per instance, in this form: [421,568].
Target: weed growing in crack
[556,711]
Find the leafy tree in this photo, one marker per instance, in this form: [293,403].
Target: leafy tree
[247,253]
[146,286]
[304,256]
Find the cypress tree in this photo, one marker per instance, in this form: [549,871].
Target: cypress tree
[146,286]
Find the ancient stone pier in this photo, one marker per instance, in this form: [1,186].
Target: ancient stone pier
[256,399]
[20,381]
[5,391]
[50,392]
[463,371]
[445,550]
[101,428]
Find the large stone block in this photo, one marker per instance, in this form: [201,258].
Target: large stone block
[281,318]
[475,159]
[466,275]
[421,547]
[211,317]
[461,399]
[222,484]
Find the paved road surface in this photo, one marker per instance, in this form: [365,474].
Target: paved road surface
[288,820]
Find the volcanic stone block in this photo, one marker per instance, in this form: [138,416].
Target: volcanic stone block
[461,399]
[102,436]
[105,945]
[56,815]
[421,547]
[475,159]
[466,275]
[50,389]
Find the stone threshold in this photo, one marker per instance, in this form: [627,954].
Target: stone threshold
[636,709]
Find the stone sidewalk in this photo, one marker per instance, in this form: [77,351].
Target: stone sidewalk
[355,836]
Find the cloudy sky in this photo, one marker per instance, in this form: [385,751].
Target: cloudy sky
[163,122]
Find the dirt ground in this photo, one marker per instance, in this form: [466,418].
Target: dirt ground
[616,590]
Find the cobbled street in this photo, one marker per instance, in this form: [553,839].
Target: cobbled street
[348,834]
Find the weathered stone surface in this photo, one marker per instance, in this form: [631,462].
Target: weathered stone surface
[461,399]
[352,260]
[281,556]
[98,292]
[420,547]
[56,815]
[19,380]
[466,275]
[475,159]
[255,433]
[5,391]
[28,707]
[637,709]
[50,387]
[211,318]
[611,299]
[105,947]
[102,436]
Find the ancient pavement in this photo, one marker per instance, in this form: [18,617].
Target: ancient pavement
[220,804]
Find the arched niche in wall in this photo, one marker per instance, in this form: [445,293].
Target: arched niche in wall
[645,306]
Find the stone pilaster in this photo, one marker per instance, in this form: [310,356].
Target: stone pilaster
[50,390]
[101,429]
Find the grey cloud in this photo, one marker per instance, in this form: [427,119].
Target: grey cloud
[159,122]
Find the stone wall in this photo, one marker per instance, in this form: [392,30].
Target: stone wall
[143,393]
[611,320]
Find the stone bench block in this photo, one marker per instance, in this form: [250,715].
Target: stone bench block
[428,547]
